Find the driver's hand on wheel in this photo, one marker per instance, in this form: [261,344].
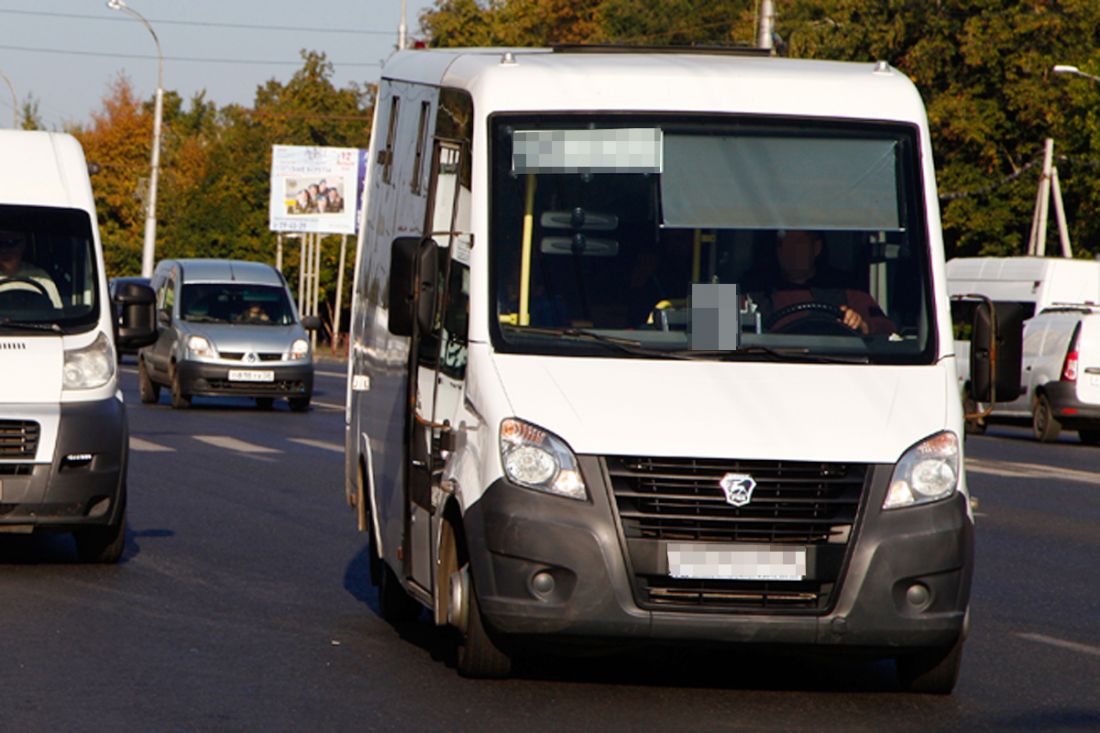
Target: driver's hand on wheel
[854,321]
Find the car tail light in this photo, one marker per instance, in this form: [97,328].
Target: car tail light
[1069,366]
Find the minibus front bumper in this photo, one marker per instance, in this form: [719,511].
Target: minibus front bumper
[904,583]
[84,482]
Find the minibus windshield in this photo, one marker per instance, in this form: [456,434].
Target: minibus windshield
[712,236]
[48,278]
[255,305]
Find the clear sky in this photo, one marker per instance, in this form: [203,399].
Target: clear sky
[66,53]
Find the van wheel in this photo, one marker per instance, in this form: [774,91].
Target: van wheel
[148,390]
[180,401]
[479,654]
[933,672]
[102,544]
[1044,423]
[1089,437]
[299,404]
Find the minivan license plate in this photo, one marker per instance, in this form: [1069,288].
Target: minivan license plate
[741,562]
[251,375]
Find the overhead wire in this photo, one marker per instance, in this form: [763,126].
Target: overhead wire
[200,23]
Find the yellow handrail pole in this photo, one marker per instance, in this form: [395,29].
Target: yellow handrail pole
[697,256]
[525,257]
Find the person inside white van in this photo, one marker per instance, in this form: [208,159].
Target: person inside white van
[18,274]
[804,291]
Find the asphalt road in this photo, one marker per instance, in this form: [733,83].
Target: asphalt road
[242,603]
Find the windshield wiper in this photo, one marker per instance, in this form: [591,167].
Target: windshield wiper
[25,326]
[782,354]
[625,345]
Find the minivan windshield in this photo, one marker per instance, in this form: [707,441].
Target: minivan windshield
[709,237]
[47,269]
[256,305]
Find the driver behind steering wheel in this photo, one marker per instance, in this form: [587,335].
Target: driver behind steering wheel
[16,273]
[800,294]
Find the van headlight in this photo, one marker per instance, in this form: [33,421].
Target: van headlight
[199,347]
[90,366]
[929,471]
[539,460]
[299,350]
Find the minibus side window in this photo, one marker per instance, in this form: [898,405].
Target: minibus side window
[385,157]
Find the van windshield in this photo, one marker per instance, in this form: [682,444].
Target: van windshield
[47,269]
[257,305]
[709,237]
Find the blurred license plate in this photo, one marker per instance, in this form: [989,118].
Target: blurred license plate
[251,375]
[740,562]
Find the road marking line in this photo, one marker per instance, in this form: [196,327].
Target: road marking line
[328,405]
[224,441]
[1071,645]
[148,446]
[334,447]
[1030,470]
[330,374]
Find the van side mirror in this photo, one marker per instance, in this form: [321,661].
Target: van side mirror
[995,351]
[137,306]
[412,287]
[311,323]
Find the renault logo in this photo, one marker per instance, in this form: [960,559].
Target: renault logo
[738,488]
[250,358]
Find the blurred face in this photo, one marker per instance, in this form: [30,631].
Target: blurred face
[11,252]
[796,253]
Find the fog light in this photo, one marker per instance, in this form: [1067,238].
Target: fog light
[918,596]
[542,583]
[76,460]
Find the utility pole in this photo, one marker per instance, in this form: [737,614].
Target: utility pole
[402,39]
[1049,188]
[766,34]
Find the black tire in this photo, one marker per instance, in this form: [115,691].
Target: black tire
[299,404]
[931,672]
[479,653]
[148,390]
[1089,437]
[102,544]
[180,401]
[265,403]
[1043,421]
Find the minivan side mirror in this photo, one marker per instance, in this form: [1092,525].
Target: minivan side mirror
[996,347]
[311,323]
[137,306]
[412,286]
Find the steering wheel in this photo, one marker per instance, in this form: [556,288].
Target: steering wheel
[17,280]
[822,318]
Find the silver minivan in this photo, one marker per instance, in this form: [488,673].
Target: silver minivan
[226,327]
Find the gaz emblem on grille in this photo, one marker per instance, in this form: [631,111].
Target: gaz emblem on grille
[738,488]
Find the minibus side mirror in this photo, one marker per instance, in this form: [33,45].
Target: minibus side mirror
[995,351]
[311,323]
[412,287]
[137,306]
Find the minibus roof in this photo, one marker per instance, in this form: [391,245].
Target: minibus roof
[539,80]
[44,169]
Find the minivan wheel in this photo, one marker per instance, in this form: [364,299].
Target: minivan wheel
[1089,437]
[180,401]
[1044,423]
[102,544]
[148,390]
[299,404]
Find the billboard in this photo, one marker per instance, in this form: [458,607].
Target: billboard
[314,189]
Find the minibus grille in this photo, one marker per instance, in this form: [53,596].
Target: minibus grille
[18,438]
[808,504]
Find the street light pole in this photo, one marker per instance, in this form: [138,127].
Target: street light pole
[149,247]
[1067,69]
[14,101]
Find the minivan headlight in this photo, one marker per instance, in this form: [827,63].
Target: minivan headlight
[299,350]
[90,366]
[539,460]
[200,347]
[929,471]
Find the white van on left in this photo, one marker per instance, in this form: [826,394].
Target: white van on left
[63,430]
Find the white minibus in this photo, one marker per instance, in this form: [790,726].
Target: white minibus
[655,347]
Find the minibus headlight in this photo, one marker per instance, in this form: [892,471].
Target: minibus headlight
[91,366]
[299,350]
[929,471]
[200,347]
[539,460]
